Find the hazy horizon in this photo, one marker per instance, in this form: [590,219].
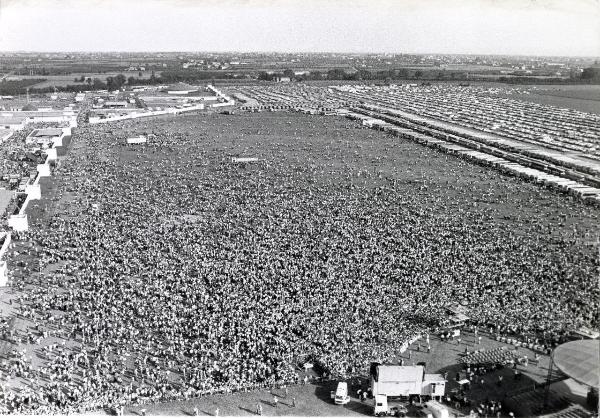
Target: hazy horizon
[18,51]
[547,28]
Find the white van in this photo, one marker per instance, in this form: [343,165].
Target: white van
[340,396]
[380,408]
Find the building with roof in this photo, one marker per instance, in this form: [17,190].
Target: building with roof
[13,123]
[47,137]
[405,381]
[181,88]
[115,104]
[16,120]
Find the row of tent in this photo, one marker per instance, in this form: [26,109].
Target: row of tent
[552,162]
[582,191]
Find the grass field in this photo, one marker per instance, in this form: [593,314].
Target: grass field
[583,92]
[585,98]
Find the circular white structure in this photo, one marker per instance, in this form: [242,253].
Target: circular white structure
[580,360]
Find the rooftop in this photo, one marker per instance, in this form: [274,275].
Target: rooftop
[181,87]
[11,120]
[399,373]
[48,132]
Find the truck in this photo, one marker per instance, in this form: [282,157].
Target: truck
[436,409]
[381,407]
[340,396]
[431,409]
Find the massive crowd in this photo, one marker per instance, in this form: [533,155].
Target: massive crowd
[18,159]
[173,272]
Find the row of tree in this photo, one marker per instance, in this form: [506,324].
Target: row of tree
[191,75]
[342,74]
[15,87]
[84,79]
[91,84]
[589,75]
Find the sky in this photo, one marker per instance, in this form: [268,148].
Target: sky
[505,27]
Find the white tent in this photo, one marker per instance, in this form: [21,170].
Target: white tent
[579,360]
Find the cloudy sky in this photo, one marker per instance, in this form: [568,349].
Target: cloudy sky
[529,27]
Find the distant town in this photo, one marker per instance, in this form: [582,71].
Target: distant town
[45,72]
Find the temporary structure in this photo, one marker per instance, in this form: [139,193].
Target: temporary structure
[579,360]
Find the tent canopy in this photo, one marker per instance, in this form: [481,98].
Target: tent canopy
[579,360]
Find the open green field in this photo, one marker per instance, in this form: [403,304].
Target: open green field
[583,92]
[585,98]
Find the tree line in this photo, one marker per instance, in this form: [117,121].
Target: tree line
[342,74]
[589,75]
[15,87]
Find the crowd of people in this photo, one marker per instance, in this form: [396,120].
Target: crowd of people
[18,158]
[19,163]
[167,271]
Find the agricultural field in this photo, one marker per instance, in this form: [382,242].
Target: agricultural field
[585,98]
[64,80]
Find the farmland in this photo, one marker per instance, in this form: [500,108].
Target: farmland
[64,80]
[585,98]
